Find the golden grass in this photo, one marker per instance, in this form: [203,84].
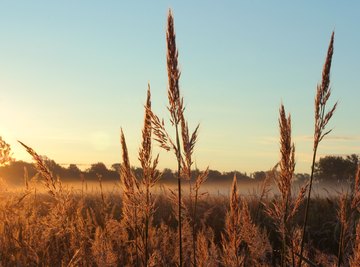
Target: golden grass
[65,228]
[322,117]
[283,209]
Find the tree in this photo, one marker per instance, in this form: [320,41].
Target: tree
[116,167]
[5,153]
[167,176]
[336,169]
[54,167]
[73,171]
[13,173]
[302,177]
[259,175]
[98,168]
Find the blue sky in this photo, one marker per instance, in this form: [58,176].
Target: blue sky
[73,72]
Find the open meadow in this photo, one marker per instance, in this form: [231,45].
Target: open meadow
[141,221]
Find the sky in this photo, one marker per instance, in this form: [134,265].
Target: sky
[72,73]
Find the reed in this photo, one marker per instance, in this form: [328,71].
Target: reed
[322,117]
[348,211]
[150,176]
[355,258]
[283,209]
[50,181]
[138,228]
[183,143]
[243,243]
[130,202]
[176,109]
[231,239]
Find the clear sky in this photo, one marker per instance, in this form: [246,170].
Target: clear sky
[73,72]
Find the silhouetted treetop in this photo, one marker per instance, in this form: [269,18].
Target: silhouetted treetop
[328,169]
[336,168]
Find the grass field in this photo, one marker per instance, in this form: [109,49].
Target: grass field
[183,225]
[78,228]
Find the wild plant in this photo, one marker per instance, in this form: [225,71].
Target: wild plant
[243,243]
[322,117]
[139,204]
[349,206]
[355,258]
[183,143]
[150,177]
[130,203]
[285,207]
[52,184]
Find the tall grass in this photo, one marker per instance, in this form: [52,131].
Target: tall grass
[137,227]
[183,143]
[243,243]
[322,117]
[138,201]
[346,213]
[283,209]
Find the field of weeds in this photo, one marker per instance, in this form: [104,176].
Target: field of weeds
[183,226]
[77,228]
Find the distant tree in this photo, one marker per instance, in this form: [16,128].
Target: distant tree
[138,172]
[73,171]
[167,176]
[5,153]
[336,168]
[259,175]
[229,176]
[98,167]
[242,176]
[116,167]
[54,167]
[354,160]
[194,174]
[213,176]
[14,172]
[302,177]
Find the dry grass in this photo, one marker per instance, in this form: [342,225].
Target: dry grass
[39,230]
[182,145]
[322,117]
[243,243]
[138,228]
[284,209]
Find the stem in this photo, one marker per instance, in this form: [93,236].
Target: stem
[343,221]
[340,244]
[147,224]
[284,230]
[179,191]
[283,263]
[307,205]
[82,189]
[194,230]
[235,242]
[136,239]
[293,255]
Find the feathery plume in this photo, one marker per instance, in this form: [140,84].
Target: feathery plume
[50,180]
[322,117]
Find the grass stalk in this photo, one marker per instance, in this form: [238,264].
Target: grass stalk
[179,193]
[322,118]
[150,175]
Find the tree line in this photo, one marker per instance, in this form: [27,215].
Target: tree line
[331,169]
